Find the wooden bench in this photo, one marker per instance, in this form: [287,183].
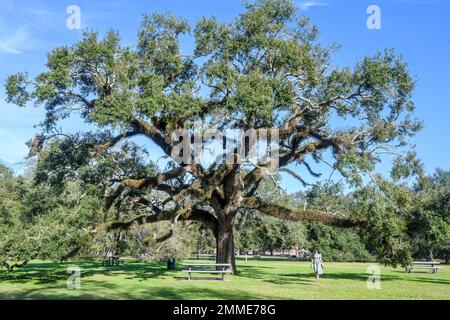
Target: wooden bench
[423,265]
[225,269]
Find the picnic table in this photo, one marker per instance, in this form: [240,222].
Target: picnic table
[113,261]
[219,268]
[424,265]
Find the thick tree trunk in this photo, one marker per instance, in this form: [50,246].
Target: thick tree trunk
[225,242]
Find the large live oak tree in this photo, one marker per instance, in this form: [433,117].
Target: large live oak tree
[265,69]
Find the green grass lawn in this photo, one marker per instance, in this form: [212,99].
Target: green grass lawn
[258,279]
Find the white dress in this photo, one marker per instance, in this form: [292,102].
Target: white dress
[317,263]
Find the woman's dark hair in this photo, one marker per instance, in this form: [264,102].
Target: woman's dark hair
[316,249]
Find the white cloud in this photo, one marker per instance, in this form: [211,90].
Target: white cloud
[15,42]
[24,27]
[305,5]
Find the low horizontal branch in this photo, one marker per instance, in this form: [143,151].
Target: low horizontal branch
[299,215]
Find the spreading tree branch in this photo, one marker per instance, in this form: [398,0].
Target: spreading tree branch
[299,215]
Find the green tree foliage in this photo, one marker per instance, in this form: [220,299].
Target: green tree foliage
[404,222]
[262,232]
[429,220]
[145,242]
[37,223]
[335,244]
[268,233]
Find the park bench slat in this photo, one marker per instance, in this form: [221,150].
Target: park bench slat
[426,266]
[423,265]
[208,271]
[225,269]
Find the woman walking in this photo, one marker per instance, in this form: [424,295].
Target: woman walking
[317,263]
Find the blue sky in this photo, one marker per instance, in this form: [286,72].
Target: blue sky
[418,29]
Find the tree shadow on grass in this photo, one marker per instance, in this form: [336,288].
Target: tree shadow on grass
[52,276]
[364,276]
[36,294]
[425,277]
[308,278]
[48,273]
[202,293]
[143,275]
[155,294]
[113,291]
[260,273]
[277,278]
[252,271]
[49,279]
[284,279]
